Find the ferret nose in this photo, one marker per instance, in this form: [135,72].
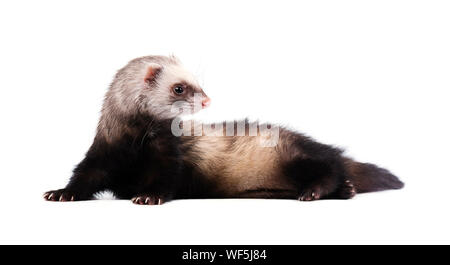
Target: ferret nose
[206,102]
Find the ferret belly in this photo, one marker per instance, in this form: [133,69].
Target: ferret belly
[237,164]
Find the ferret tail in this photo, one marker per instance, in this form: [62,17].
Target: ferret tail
[369,177]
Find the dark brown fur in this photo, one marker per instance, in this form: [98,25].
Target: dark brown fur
[135,155]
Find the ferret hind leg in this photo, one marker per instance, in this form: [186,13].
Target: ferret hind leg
[314,179]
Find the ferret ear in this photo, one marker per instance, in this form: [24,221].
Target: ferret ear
[153,70]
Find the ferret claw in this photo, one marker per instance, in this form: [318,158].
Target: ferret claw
[148,200]
[61,195]
[348,190]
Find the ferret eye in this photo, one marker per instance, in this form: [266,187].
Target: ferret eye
[178,89]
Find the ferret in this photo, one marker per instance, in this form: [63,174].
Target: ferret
[136,154]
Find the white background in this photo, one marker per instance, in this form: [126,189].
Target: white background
[369,76]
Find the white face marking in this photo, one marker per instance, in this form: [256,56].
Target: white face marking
[160,97]
[131,93]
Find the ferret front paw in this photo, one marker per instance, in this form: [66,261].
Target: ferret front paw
[147,199]
[61,195]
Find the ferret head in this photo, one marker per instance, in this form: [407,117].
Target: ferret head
[156,85]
